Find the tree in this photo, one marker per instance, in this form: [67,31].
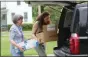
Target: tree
[34,12]
[55,12]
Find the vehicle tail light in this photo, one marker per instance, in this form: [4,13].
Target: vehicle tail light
[74,43]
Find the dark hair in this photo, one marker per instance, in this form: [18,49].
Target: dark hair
[40,19]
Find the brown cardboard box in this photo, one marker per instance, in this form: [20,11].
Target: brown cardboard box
[49,34]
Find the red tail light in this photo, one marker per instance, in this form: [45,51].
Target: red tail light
[74,44]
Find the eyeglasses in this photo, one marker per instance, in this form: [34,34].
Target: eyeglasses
[21,18]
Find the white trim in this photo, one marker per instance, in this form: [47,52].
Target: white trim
[83,37]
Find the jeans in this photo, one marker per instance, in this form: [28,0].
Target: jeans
[40,50]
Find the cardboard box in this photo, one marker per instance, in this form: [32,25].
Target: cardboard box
[49,34]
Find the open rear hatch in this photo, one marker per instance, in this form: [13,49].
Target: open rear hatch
[50,2]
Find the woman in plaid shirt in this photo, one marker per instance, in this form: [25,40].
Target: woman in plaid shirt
[16,35]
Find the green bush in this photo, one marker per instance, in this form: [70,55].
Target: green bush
[9,27]
[25,27]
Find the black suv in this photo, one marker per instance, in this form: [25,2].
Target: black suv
[73,24]
[73,28]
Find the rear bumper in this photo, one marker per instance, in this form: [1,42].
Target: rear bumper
[60,53]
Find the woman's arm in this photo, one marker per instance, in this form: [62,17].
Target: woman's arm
[14,43]
[34,29]
[12,36]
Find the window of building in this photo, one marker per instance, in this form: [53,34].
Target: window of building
[18,2]
[25,16]
[4,17]
[12,14]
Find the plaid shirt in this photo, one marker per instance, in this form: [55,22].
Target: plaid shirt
[14,35]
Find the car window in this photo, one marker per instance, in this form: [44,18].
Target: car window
[68,19]
[83,21]
[83,16]
[75,22]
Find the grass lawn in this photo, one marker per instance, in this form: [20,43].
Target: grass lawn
[5,45]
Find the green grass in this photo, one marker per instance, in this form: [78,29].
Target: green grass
[5,45]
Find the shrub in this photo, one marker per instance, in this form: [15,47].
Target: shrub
[9,27]
[25,27]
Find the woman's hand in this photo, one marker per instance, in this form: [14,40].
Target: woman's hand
[39,40]
[35,38]
[21,49]
[17,45]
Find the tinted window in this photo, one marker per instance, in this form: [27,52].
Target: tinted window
[76,22]
[68,19]
[79,18]
[83,16]
[83,21]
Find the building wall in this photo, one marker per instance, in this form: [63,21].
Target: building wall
[3,12]
[12,7]
[3,4]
